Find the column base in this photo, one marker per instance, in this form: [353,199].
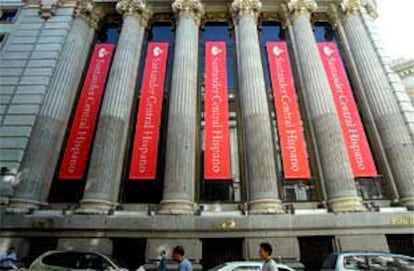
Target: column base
[346,205]
[95,207]
[176,207]
[266,206]
[24,205]
[408,202]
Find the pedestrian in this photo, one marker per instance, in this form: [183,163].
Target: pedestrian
[183,263]
[265,254]
[8,259]
[163,261]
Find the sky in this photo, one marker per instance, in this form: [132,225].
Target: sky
[396,26]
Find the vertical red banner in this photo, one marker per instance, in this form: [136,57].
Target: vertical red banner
[217,145]
[147,131]
[359,153]
[76,154]
[294,155]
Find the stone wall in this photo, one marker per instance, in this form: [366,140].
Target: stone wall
[398,88]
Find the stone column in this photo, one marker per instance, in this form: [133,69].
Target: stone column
[336,170]
[43,149]
[107,159]
[394,132]
[257,131]
[183,122]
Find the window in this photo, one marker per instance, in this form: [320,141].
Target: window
[151,191]
[368,188]
[297,190]
[323,32]
[110,32]
[8,15]
[2,40]
[222,190]
[77,260]
[269,31]
[219,32]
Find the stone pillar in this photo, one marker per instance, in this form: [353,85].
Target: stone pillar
[394,132]
[256,122]
[43,149]
[183,122]
[336,170]
[107,159]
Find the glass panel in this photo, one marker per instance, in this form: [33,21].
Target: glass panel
[8,16]
[219,32]
[269,31]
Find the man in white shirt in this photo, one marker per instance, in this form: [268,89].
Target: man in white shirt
[265,254]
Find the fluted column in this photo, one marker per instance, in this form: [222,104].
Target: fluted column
[337,174]
[180,167]
[43,149]
[109,148]
[394,132]
[257,131]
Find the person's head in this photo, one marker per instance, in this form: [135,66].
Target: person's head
[178,253]
[265,251]
[11,250]
[163,253]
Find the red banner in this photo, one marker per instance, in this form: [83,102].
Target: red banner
[147,129]
[294,155]
[78,146]
[359,153]
[217,164]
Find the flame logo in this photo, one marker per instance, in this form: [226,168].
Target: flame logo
[215,50]
[157,51]
[327,51]
[102,52]
[277,51]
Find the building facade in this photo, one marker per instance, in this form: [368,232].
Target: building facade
[89,88]
[405,69]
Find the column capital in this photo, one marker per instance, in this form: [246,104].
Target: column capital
[48,8]
[352,7]
[192,8]
[240,7]
[137,8]
[87,10]
[296,7]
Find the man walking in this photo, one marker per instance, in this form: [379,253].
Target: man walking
[183,263]
[265,254]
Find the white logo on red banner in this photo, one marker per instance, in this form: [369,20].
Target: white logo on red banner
[76,154]
[359,153]
[217,146]
[294,155]
[147,131]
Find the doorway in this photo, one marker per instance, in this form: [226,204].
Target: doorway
[220,250]
[314,249]
[129,252]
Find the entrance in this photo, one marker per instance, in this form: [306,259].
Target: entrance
[129,252]
[220,250]
[401,244]
[314,249]
[38,246]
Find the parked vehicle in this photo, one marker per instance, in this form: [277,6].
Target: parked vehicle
[247,266]
[372,261]
[74,261]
